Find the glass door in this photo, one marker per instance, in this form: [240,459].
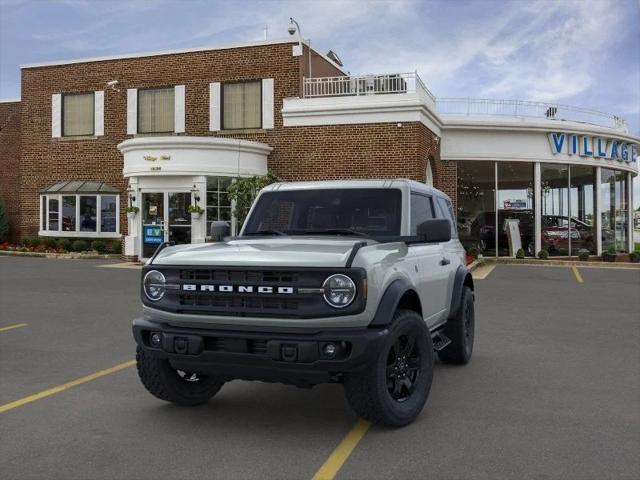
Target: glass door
[153,226]
[179,230]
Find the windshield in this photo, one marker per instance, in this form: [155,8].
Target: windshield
[374,212]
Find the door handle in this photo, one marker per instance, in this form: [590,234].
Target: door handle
[445,261]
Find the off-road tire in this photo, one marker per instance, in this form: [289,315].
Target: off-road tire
[368,391]
[165,383]
[460,331]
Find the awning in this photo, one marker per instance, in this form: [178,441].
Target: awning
[80,186]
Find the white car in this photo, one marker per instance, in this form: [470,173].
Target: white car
[355,282]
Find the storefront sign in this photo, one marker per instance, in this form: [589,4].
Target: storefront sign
[588,146]
[152,234]
[515,204]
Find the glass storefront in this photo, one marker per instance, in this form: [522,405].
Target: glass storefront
[218,203]
[614,210]
[568,201]
[476,205]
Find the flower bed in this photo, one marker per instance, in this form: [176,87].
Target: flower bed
[63,245]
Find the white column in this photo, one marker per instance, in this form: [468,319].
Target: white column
[199,226]
[132,241]
[598,212]
[630,213]
[537,182]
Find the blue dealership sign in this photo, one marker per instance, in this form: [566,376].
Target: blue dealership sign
[152,234]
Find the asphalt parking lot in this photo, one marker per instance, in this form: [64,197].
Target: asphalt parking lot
[553,390]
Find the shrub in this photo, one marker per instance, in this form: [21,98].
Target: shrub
[244,190]
[64,244]
[634,257]
[33,241]
[4,223]
[583,255]
[79,246]
[473,252]
[48,242]
[520,253]
[611,250]
[543,254]
[115,247]
[99,246]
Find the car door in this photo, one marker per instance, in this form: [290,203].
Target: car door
[430,273]
[453,249]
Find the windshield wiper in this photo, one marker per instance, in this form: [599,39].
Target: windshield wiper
[265,232]
[336,231]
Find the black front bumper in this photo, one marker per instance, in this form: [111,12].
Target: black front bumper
[295,358]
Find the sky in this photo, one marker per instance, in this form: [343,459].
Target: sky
[576,52]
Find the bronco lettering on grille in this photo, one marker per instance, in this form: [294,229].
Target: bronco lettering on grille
[191,287]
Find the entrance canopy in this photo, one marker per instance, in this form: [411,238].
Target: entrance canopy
[80,186]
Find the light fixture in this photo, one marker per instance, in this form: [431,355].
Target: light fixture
[294,28]
[195,193]
[132,197]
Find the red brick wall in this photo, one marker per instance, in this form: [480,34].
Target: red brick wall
[10,163]
[323,152]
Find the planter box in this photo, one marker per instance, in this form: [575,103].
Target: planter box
[195,216]
[131,215]
[609,257]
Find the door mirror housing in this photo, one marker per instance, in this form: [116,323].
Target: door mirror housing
[219,230]
[436,230]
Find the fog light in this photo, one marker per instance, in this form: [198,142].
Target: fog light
[155,339]
[329,350]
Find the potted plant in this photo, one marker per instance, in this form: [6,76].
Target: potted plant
[195,211]
[610,255]
[634,257]
[583,255]
[132,212]
[520,254]
[543,254]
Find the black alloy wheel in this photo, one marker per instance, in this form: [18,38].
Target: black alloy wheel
[403,368]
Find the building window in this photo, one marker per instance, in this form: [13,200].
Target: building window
[447,212]
[476,205]
[156,110]
[515,205]
[614,210]
[218,203]
[78,114]
[78,215]
[242,105]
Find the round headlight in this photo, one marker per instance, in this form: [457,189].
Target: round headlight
[339,290]
[153,285]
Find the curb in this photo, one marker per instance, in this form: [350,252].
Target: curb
[64,256]
[557,263]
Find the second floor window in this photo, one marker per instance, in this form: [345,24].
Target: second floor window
[77,114]
[156,110]
[242,105]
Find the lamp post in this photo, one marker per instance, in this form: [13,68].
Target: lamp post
[293,28]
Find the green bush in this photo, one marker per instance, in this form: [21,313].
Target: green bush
[520,253]
[64,244]
[244,190]
[115,247]
[47,242]
[543,254]
[634,257]
[611,250]
[583,255]
[4,223]
[99,246]
[473,252]
[80,246]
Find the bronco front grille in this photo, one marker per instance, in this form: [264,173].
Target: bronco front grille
[197,290]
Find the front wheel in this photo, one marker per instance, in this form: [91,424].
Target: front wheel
[171,385]
[393,390]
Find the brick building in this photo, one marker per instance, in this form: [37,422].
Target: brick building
[162,131]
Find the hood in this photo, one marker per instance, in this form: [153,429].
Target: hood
[260,252]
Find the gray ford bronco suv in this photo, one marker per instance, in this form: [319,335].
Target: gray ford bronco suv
[355,282]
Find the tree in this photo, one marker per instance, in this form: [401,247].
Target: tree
[4,223]
[244,190]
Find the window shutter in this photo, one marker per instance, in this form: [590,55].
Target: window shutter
[214,106]
[132,111]
[267,103]
[178,109]
[98,112]
[56,115]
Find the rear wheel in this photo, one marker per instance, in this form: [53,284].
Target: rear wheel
[394,389]
[171,385]
[460,330]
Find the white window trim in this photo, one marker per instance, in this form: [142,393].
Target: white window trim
[78,233]
[179,109]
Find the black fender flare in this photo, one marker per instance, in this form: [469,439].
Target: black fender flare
[462,277]
[389,302]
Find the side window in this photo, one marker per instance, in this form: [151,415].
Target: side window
[447,212]
[421,210]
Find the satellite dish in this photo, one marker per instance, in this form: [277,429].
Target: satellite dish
[334,57]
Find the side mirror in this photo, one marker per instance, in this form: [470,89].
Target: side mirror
[435,230]
[219,230]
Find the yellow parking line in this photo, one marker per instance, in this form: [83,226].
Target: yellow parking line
[133,265]
[60,388]
[577,274]
[11,327]
[483,271]
[340,455]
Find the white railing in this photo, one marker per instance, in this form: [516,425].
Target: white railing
[521,108]
[356,85]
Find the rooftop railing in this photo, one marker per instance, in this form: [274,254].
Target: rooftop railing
[399,83]
[478,107]
[356,85]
